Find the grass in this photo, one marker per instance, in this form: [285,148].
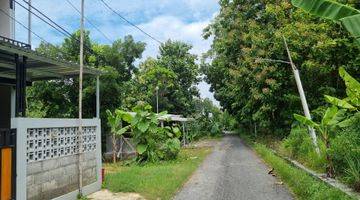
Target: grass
[155,180]
[300,183]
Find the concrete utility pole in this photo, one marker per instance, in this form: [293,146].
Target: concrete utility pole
[157,99]
[80,133]
[300,89]
[29,23]
[302,97]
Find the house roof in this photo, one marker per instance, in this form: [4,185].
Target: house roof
[39,67]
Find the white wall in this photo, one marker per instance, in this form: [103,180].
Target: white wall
[23,124]
[7,26]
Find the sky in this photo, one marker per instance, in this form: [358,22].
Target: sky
[163,19]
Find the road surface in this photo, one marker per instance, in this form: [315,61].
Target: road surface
[233,172]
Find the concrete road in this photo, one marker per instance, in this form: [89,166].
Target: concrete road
[233,171]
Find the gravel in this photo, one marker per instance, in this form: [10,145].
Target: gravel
[233,171]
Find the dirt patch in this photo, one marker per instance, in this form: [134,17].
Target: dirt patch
[107,195]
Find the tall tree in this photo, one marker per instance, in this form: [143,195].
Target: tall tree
[57,98]
[173,75]
[263,94]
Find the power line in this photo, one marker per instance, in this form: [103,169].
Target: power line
[129,22]
[41,18]
[38,36]
[22,24]
[102,33]
[48,18]
[65,33]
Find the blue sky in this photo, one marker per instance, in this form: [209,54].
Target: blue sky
[164,19]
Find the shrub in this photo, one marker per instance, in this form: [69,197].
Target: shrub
[153,143]
[345,146]
[346,153]
[352,173]
[298,145]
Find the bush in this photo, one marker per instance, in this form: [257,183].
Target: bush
[346,153]
[298,145]
[153,143]
[345,146]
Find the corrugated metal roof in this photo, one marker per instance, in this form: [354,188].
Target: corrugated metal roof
[39,67]
[169,117]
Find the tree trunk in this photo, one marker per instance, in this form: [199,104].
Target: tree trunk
[114,148]
[330,167]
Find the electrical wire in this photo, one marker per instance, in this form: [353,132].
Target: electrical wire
[90,22]
[38,36]
[48,18]
[62,30]
[41,18]
[129,22]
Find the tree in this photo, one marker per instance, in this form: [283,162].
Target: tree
[264,95]
[176,56]
[348,16]
[174,73]
[57,98]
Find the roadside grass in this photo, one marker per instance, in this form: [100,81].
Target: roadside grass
[155,180]
[300,183]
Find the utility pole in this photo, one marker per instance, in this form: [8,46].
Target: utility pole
[302,97]
[300,90]
[157,99]
[29,23]
[80,133]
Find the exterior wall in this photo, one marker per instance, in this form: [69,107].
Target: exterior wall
[47,158]
[52,178]
[7,26]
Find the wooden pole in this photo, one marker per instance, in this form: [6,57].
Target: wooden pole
[80,135]
[302,97]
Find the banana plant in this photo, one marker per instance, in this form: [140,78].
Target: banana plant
[352,101]
[348,16]
[333,118]
[115,122]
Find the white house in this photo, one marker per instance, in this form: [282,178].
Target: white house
[39,157]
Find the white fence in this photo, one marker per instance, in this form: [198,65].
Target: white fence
[54,141]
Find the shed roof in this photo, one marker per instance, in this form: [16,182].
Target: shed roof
[39,67]
[170,117]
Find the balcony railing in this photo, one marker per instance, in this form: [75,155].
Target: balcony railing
[15,42]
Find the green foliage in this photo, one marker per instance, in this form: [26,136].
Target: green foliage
[352,173]
[352,88]
[301,184]
[115,121]
[173,75]
[209,120]
[345,150]
[298,145]
[348,16]
[153,143]
[332,119]
[59,98]
[264,94]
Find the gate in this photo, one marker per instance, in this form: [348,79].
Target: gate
[7,164]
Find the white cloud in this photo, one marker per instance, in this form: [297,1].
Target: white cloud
[177,20]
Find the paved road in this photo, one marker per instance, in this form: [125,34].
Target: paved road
[233,171]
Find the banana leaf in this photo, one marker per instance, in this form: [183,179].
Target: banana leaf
[352,87]
[339,102]
[306,121]
[348,16]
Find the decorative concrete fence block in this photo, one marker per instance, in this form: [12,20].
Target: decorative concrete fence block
[48,158]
